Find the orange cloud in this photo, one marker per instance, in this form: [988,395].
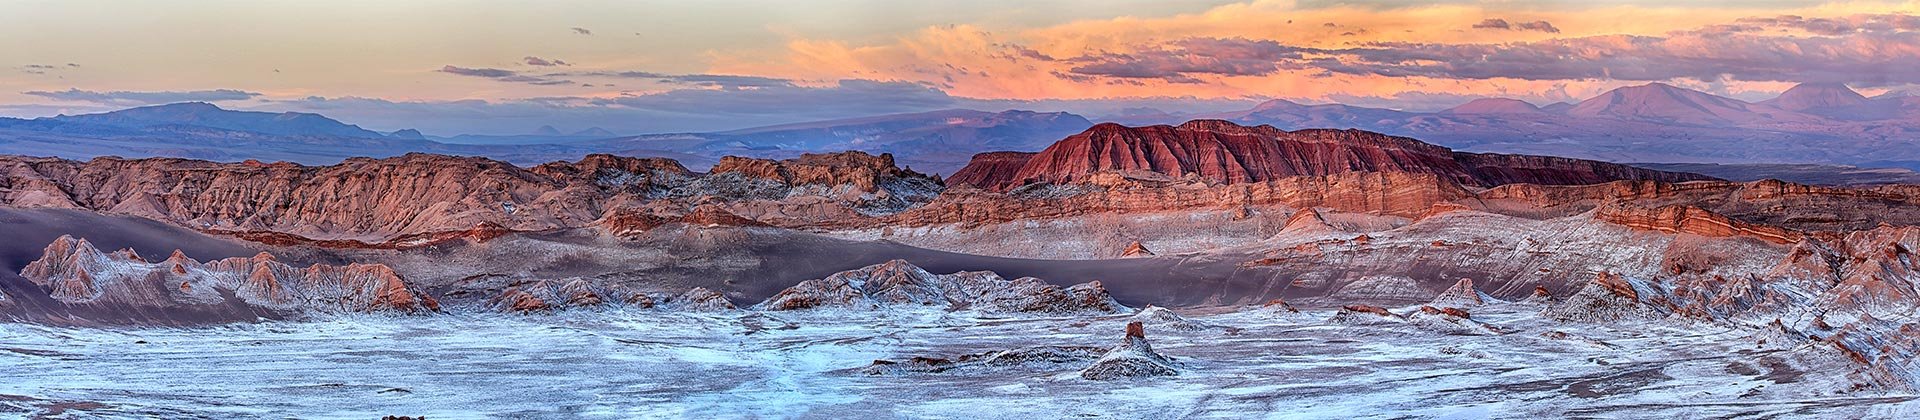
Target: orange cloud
[1064,61]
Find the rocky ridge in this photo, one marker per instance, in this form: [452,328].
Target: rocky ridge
[73,272]
[420,199]
[898,283]
[1224,152]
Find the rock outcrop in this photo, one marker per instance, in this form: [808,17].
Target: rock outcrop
[1033,357]
[75,273]
[1452,321]
[421,199]
[1365,315]
[1691,220]
[1462,295]
[991,168]
[1611,297]
[1224,152]
[898,283]
[699,299]
[550,295]
[1162,318]
[1134,357]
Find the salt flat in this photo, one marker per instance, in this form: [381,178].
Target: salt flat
[657,364]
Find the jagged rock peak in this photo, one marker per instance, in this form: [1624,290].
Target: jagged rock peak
[76,273]
[1610,297]
[898,283]
[1160,317]
[700,299]
[1461,295]
[1134,357]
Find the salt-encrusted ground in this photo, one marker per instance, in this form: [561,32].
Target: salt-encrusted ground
[808,364]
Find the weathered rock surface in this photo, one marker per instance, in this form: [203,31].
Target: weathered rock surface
[1611,297]
[1224,152]
[550,295]
[1034,358]
[1365,315]
[73,272]
[699,299]
[899,283]
[1462,295]
[421,199]
[1134,357]
[1691,220]
[1446,320]
[991,168]
[1163,318]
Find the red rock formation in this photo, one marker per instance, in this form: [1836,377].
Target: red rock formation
[1400,194]
[1134,357]
[1135,249]
[1365,314]
[1367,309]
[1448,311]
[1280,305]
[1443,208]
[1461,295]
[1804,208]
[1691,220]
[1224,152]
[421,199]
[991,168]
[862,171]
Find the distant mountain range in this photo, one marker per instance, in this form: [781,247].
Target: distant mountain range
[1822,123]
[201,114]
[1814,123]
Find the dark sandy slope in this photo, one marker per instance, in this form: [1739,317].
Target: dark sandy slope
[749,264]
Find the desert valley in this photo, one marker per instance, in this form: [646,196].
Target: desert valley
[844,283]
[1209,209]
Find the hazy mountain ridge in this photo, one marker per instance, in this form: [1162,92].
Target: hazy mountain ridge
[1814,123]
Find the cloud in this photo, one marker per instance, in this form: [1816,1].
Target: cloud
[581,31]
[1835,26]
[144,98]
[1862,57]
[680,110]
[850,97]
[542,62]
[697,109]
[1224,57]
[43,68]
[1538,25]
[1870,50]
[722,81]
[503,75]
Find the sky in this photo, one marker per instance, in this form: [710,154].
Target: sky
[506,67]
